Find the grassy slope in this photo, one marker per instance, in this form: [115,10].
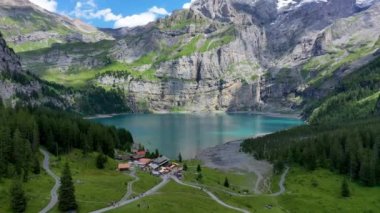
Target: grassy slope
[146,182]
[302,196]
[175,198]
[354,98]
[83,77]
[94,188]
[326,196]
[37,191]
[214,179]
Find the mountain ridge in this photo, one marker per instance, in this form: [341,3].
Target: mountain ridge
[234,58]
[28,27]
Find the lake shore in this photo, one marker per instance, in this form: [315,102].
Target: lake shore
[229,157]
[269,114]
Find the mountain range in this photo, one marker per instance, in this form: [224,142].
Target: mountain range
[221,55]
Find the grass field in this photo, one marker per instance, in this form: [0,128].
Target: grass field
[317,191]
[82,78]
[94,188]
[306,191]
[37,191]
[175,198]
[145,182]
[214,179]
[303,193]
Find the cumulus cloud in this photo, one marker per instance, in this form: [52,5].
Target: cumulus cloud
[88,10]
[188,4]
[50,5]
[142,18]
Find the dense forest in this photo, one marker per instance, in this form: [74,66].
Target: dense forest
[22,131]
[96,100]
[352,149]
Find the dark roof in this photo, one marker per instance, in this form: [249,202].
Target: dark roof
[161,160]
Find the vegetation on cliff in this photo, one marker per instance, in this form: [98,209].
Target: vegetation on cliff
[355,97]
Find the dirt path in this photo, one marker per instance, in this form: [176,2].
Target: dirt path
[151,191]
[130,185]
[53,192]
[281,184]
[214,197]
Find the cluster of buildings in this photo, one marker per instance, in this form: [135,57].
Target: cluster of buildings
[160,165]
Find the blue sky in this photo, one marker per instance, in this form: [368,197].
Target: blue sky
[114,13]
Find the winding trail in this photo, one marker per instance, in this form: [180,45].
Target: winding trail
[122,202]
[53,192]
[281,184]
[130,185]
[259,179]
[214,197]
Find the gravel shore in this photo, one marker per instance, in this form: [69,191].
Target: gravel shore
[228,157]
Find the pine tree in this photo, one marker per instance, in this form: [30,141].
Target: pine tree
[366,173]
[66,197]
[180,157]
[21,154]
[5,150]
[226,183]
[18,151]
[36,166]
[345,190]
[199,169]
[18,199]
[199,177]
[36,138]
[185,167]
[278,167]
[101,160]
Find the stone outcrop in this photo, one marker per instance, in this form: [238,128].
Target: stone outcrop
[19,87]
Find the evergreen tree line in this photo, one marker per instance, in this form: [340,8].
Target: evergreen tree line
[352,149]
[22,131]
[355,97]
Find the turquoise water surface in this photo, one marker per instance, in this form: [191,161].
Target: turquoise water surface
[187,134]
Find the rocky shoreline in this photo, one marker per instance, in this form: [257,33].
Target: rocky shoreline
[229,157]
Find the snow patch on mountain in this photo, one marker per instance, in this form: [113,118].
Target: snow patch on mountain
[364,3]
[283,4]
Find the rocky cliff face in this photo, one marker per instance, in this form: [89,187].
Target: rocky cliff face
[27,27]
[228,55]
[20,87]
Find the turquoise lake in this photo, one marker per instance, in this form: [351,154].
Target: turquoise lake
[187,134]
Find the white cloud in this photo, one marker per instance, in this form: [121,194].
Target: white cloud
[141,19]
[50,5]
[188,4]
[87,9]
